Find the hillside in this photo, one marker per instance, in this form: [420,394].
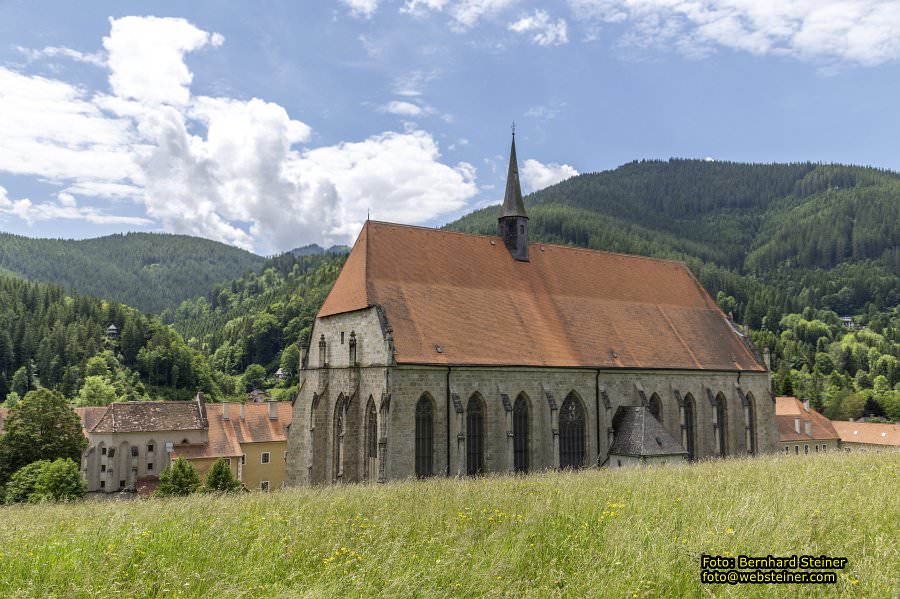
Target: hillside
[149,271]
[622,533]
[778,238]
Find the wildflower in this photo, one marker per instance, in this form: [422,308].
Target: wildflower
[729,531]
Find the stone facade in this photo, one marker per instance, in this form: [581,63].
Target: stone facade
[357,422]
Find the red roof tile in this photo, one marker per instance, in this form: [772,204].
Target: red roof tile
[226,436]
[788,409]
[870,433]
[144,416]
[566,307]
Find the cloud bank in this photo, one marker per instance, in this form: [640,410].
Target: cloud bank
[227,169]
[537,175]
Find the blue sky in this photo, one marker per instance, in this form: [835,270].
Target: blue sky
[272,125]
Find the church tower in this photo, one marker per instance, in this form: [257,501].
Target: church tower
[512,226]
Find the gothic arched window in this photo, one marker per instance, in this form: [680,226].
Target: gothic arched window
[721,422]
[655,406]
[520,434]
[371,441]
[571,433]
[750,420]
[474,436]
[687,426]
[424,437]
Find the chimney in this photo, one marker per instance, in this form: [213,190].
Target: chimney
[767,358]
[808,425]
[242,411]
[273,410]
[225,407]
[796,423]
[806,405]
[201,405]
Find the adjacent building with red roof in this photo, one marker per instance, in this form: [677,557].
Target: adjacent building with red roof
[803,430]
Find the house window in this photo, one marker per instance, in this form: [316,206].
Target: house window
[134,451]
[102,467]
[149,466]
[797,449]
[817,449]
[168,447]
[265,457]
[121,484]
[243,459]
[228,461]
[102,484]
[102,451]
[806,448]
[824,448]
[263,485]
[112,452]
[149,447]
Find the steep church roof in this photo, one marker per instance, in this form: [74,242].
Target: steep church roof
[467,296]
[639,434]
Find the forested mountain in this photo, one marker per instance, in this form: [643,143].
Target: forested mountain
[259,318]
[149,271]
[51,339]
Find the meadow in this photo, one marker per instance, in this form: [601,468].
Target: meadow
[597,533]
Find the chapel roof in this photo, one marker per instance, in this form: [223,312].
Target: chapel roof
[225,437]
[639,434]
[566,307]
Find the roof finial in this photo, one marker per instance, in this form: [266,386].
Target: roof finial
[513,128]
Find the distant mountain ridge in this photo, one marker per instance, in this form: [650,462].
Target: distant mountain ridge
[150,271]
[314,249]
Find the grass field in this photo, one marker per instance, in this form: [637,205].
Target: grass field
[636,533]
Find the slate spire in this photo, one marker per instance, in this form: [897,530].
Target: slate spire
[512,225]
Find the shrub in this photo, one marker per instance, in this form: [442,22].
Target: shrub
[21,485]
[59,480]
[179,479]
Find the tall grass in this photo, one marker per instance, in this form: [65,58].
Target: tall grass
[635,533]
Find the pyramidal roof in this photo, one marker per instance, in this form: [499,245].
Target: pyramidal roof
[639,434]
[566,307]
[513,205]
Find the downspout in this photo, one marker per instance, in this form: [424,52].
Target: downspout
[448,422]
[597,409]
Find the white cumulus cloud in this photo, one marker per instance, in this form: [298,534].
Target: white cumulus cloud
[401,108]
[537,175]
[542,29]
[233,170]
[361,8]
[464,14]
[863,32]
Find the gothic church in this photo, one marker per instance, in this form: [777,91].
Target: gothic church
[447,354]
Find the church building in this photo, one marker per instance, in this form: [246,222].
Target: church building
[440,353]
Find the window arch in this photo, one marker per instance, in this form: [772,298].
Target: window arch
[520,434]
[750,422]
[571,433]
[340,429]
[720,414]
[655,407]
[371,441]
[424,437]
[687,426]
[475,435]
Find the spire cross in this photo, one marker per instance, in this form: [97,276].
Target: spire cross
[513,128]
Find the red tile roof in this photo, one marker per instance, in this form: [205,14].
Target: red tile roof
[870,433]
[90,416]
[788,409]
[226,436]
[566,307]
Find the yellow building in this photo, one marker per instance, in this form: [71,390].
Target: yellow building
[252,437]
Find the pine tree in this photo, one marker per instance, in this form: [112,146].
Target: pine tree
[179,479]
[220,479]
